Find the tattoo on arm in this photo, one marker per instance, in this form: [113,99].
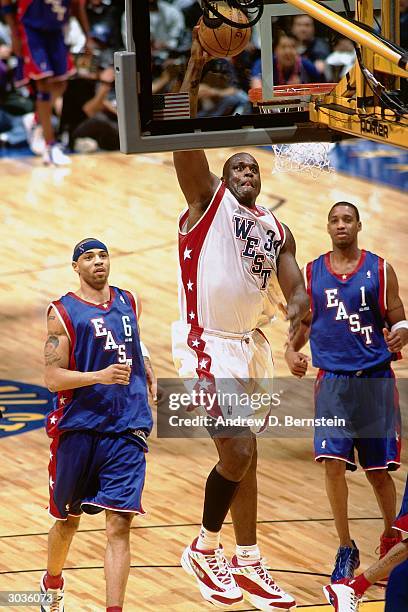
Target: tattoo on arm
[50,351]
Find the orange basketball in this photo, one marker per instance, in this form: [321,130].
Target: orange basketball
[225,40]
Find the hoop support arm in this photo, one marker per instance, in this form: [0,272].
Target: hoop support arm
[350,30]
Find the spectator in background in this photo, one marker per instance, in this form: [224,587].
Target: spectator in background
[166,27]
[288,66]
[108,12]
[38,41]
[340,61]
[89,114]
[219,94]
[308,45]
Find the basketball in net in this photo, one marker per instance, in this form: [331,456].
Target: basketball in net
[225,40]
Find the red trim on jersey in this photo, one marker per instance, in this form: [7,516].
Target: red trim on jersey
[70,328]
[132,302]
[397,459]
[100,306]
[190,245]
[63,397]
[309,271]
[381,276]
[255,210]
[402,523]
[348,274]
[52,474]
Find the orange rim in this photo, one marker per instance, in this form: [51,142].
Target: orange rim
[291,91]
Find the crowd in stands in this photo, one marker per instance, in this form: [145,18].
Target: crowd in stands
[83,111]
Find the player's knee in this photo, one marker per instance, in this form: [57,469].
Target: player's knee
[377,478]
[59,87]
[335,468]
[66,529]
[236,461]
[43,85]
[118,525]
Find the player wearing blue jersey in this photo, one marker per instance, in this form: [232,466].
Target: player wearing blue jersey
[37,30]
[356,327]
[100,420]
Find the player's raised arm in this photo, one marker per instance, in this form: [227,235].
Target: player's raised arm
[197,182]
[292,284]
[397,338]
[58,377]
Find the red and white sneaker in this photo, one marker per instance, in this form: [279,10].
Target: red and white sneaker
[213,575]
[259,588]
[342,597]
[55,597]
[387,543]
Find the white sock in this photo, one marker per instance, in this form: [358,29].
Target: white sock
[208,540]
[247,554]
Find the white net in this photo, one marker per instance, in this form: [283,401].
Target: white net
[309,157]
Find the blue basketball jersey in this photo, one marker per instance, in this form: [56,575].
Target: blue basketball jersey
[101,335]
[44,14]
[348,314]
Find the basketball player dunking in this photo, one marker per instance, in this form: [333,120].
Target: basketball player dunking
[357,326]
[228,249]
[100,421]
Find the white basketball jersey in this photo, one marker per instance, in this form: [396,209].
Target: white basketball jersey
[226,263]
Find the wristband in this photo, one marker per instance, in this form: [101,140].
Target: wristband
[144,350]
[400,325]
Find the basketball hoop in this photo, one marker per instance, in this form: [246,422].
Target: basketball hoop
[213,17]
[308,157]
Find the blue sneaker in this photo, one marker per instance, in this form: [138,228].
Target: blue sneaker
[347,561]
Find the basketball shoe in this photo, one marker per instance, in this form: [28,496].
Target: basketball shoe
[387,543]
[347,561]
[259,588]
[55,603]
[34,134]
[55,156]
[213,575]
[342,597]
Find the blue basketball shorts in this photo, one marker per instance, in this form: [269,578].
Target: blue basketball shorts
[401,522]
[91,472]
[44,54]
[367,403]
[396,597]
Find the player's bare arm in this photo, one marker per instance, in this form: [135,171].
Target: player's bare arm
[58,377]
[297,361]
[292,285]
[196,181]
[397,338]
